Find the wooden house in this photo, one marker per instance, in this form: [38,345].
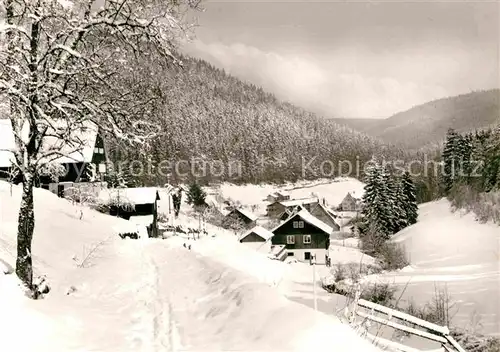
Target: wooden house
[350,203]
[319,211]
[276,210]
[82,155]
[304,235]
[139,205]
[248,219]
[257,238]
[278,196]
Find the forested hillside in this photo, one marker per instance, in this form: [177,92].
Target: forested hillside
[471,177]
[428,123]
[207,114]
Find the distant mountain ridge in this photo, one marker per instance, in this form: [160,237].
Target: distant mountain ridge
[427,123]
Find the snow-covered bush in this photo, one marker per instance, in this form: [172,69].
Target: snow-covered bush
[131,235]
[40,287]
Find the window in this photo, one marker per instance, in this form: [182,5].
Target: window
[307,256]
[96,150]
[102,168]
[290,239]
[298,224]
[306,239]
[290,254]
[101,150]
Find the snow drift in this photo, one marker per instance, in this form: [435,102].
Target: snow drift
[148,295]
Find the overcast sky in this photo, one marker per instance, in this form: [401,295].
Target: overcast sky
[354,59]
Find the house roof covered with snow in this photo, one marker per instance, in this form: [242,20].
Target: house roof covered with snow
[139,195]
[310,219]
[280,193]
[73,144]
[328,213]
[259,231]
[245,213]
[352,195]
[295,202]
[145,220]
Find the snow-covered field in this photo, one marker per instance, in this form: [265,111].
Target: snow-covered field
[254,195]
[453,251]
[151,295]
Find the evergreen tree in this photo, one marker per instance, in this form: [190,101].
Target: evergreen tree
[196,196]
[464,152]
[389,195]
[119,177]
[401,214]
[409,197]
[177,200]
[491,173]
[376,205]
[450,159]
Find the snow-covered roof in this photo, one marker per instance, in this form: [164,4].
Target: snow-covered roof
[145,220]
[294,202]
[310,219]
[246,213]
[280,193]
[139,195]
[329,213]
[77,147]
[211,201]
[353,195]
[259,231]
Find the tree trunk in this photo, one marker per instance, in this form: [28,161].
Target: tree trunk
[25,229]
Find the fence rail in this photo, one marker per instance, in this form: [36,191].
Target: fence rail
[422,328]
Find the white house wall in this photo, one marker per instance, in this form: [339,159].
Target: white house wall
[300,253]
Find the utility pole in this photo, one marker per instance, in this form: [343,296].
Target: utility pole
[313,263]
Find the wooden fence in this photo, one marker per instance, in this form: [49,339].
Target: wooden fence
[369,311]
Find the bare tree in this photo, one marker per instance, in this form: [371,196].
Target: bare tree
[84,196]
[64,66]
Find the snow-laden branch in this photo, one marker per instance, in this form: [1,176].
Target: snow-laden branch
[67,60]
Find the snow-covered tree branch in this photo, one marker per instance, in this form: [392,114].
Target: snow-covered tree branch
[64,66]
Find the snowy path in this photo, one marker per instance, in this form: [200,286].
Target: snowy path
[212,307]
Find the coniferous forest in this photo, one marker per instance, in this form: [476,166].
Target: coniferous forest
[208,117]
[471,176]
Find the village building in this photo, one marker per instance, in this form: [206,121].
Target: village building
[81,159]
[319,211]
[243,216]
[304,236]
[138,205]
[257,238]
[278,196]
[350,203]
[276,210]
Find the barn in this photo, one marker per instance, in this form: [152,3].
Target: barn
[257,238]
[139,205]
[245,217]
